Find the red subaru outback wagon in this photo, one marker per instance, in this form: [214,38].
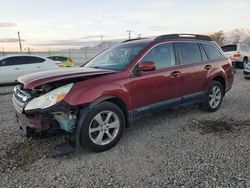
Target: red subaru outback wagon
[97,101]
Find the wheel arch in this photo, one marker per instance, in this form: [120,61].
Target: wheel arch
[117,101]
[222,81]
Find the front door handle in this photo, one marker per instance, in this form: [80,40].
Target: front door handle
[175,74]
[208,67]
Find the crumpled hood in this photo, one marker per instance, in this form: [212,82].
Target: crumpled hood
[33,80]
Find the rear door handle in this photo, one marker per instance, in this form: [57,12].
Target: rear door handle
[175,74]
[16,68]
[208,67]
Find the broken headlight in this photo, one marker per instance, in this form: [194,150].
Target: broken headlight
[49,99]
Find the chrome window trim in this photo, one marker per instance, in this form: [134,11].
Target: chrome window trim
[198,42]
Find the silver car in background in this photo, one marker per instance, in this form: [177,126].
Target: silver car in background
[239,53]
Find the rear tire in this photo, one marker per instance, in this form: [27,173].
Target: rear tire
[101,127]
[214,97]
[245,60]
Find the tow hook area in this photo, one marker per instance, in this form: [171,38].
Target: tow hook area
[66,120]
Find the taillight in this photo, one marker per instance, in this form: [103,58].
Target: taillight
[237,54]
[229,61]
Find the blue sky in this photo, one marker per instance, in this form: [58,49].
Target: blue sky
[72,22]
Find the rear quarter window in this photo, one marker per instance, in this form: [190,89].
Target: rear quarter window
[30,60]
[212,51]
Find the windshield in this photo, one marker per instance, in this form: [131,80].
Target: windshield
[117,57]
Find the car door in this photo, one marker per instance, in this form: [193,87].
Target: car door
[161,87]
[18,66]
[31,64]
[194,66]
[10,69]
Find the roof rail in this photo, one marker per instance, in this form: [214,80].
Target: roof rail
[128,40]
[184,36]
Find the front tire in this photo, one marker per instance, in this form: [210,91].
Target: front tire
[213,97]
[101,127]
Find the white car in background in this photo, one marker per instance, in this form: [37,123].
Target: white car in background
[239,53]
[13,66]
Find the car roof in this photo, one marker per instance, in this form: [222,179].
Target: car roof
[172,37]
[20,55]
[235,44]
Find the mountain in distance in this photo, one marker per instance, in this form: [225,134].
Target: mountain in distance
[237,36]
[101,46]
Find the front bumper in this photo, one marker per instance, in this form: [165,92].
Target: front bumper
[60,115]
[36,123]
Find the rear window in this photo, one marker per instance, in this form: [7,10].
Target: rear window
[212,51]
[229,48]
[189,52]
[58,58]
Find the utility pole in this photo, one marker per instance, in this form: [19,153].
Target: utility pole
[101,36]
[70,52]
[20,44]
[129,33]
[3,51]
[139,35]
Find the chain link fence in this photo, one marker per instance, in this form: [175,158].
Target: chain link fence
[78,56]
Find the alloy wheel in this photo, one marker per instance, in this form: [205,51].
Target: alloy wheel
[215,96]
[104,127]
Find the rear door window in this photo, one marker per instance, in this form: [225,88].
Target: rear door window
[162,55]
[212,51]
[189,52]
[30,59]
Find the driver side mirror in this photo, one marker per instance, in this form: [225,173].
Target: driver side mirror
[145,66]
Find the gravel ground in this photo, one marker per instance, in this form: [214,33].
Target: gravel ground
[177,148]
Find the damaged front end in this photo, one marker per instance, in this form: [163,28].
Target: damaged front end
[42,109]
